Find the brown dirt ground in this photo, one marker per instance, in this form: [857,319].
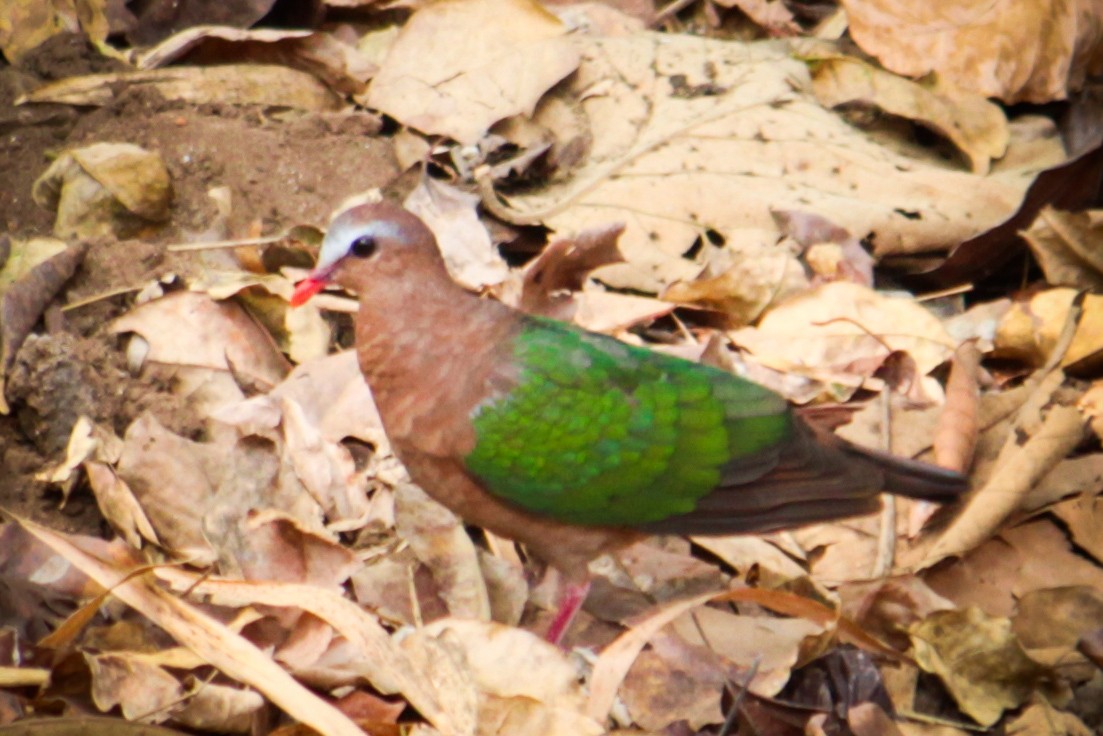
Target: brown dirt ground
[282,167]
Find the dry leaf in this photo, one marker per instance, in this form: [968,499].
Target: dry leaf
[979,660]
[845,331]
[338,64]
[548,282]
[694,137]
[236,84]
[458,67]
[1032,329]
[105,189]
[26,24]
[440,541]
[207,637]
[1019,466]
[956,437]
[190,329]
[173,480]
[1068,246]
[977,127]
[468,252]
[1028,557]
[1015,50]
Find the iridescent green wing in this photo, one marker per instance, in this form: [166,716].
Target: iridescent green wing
[599,432]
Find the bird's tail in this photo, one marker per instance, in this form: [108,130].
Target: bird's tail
[912,478]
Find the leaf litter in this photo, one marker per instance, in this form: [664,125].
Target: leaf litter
[270,547]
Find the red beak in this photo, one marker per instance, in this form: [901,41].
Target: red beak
[305,289]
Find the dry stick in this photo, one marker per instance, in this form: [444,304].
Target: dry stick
[886,537]
[100,297]
[675,7]
[740,695]
[222,244]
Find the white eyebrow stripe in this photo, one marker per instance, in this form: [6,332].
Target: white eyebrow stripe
[340,236]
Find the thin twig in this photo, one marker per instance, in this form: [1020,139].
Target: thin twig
[740,695]
[220,244]
[886,537]
[672,9]
[100,297]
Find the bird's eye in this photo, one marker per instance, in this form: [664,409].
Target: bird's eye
[363,246]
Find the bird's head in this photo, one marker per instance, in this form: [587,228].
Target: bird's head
[371,243]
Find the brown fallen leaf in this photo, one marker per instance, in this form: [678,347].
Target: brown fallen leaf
[209,638]
[468,252]
[1009,54]
[457,68]
[29,23]
[340,65]
[976,127]
[239,84]
[1068,247]
[956,437]
[1032,556]
[1042,717]
[980,661]
[440,541]
[1032,329]
[1017,469]
[674,681]
[548,283]
[675,145]
[105,190]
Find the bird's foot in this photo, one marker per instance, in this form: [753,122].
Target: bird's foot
[570,601]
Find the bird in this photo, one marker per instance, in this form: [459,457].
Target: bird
[573,443]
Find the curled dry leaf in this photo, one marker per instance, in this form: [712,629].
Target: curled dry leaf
[173,480]
[996,49]
[847,331]
[977,127]
[548,283]
[237,84]
[105,189]
[673,681]
[1069,247]
[1020,465]
[524,684]
[1031,330]
[457,68]
[1032,556]
[468,252]
[1042,717]
[850,261]
[190,329]
[31,275]
[279,548]
[956,437]
[755,280]
[441,542]
[338,64]
[29,23]
[980,661]
[119,505]
[140,689]
[201,633]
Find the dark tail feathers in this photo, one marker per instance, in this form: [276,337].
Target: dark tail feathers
[913,478]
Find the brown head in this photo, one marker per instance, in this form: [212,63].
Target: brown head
[375,247]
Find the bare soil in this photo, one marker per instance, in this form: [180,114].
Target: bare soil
[282,168]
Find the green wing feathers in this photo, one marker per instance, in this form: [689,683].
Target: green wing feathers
[599,432]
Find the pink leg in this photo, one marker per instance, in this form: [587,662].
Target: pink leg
[570,601]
